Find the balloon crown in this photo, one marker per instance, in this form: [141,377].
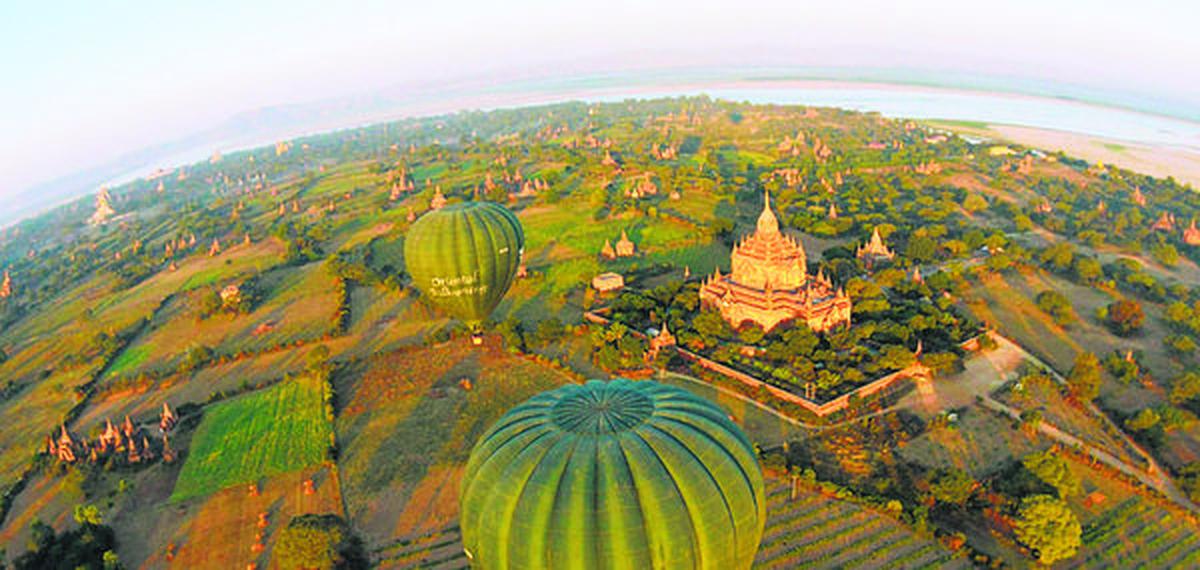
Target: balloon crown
[599,408]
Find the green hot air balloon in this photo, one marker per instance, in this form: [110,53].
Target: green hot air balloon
[464,257]
[616,475]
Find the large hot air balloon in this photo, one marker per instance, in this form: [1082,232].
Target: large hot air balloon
[616,475]
[464,257]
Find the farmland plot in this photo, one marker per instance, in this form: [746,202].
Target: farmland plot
[274,431]
[815,531]
[1135,534]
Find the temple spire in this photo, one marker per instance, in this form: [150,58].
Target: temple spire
[767,223]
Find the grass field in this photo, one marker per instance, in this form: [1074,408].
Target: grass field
[222,531]
[298,306]
[1008,302]
[407,426]
[979,444]
[32,416]
[274,431]
[1078,421]
[764,428]
[49,498]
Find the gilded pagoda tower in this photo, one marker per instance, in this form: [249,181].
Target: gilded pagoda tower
[769,283]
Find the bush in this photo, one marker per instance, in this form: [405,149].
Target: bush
[91,546]
[1052,470]
[1125,317]
[952,486]
[1056,305]
[1084,379]
[321,542]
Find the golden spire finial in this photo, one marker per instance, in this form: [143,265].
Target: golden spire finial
[767,223]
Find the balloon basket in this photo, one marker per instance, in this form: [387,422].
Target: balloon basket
[477,340]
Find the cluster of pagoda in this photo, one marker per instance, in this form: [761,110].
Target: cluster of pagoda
[642,188]
[1166,222]
[129,442]
[624,248]
[769,283]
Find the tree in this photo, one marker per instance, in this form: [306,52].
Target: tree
[943,362]
[895,357]
[88,515]
[1165,253]
[1048,527]
[1030,421]
[751,333]
[91,546]
[1084,378]
[1189,479]
[1145,419]
[1180,344]
[1185,388]
[1088,269]
[1058,256]
[1125,317]
[319,542]
[974,203]
[195,358]
[711,326]
[1056,305]
[317,359]
[548,331]
[953,486]
[1052,470]
[921,249]
[510,331]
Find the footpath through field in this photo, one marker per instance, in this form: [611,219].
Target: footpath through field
[1153,476]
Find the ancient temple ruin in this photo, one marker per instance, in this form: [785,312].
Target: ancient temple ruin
[769,283]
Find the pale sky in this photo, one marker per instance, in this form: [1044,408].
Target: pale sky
[86,81]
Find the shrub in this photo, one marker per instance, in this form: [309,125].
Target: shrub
[1056,305]
[1084,379]
[1053,470]
[1125,317]
[319,542]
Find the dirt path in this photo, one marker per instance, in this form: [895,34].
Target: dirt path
[1153,476]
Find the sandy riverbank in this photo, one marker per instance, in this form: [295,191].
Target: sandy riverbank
[1157,160]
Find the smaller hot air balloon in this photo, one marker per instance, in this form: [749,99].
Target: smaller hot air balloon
[463,257]
[613,475]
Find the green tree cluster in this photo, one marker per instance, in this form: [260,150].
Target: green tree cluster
[319,542]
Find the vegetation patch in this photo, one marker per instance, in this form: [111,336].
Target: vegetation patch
[277,430]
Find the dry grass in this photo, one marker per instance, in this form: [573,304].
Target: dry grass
[407,428]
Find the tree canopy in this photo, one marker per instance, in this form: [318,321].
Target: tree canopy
[1047,526]
[321,542]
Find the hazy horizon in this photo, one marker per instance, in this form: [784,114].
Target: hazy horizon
[94,83]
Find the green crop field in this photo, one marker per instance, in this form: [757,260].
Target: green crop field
[267,433]
[812,531]
[1135,534]
[815,531]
